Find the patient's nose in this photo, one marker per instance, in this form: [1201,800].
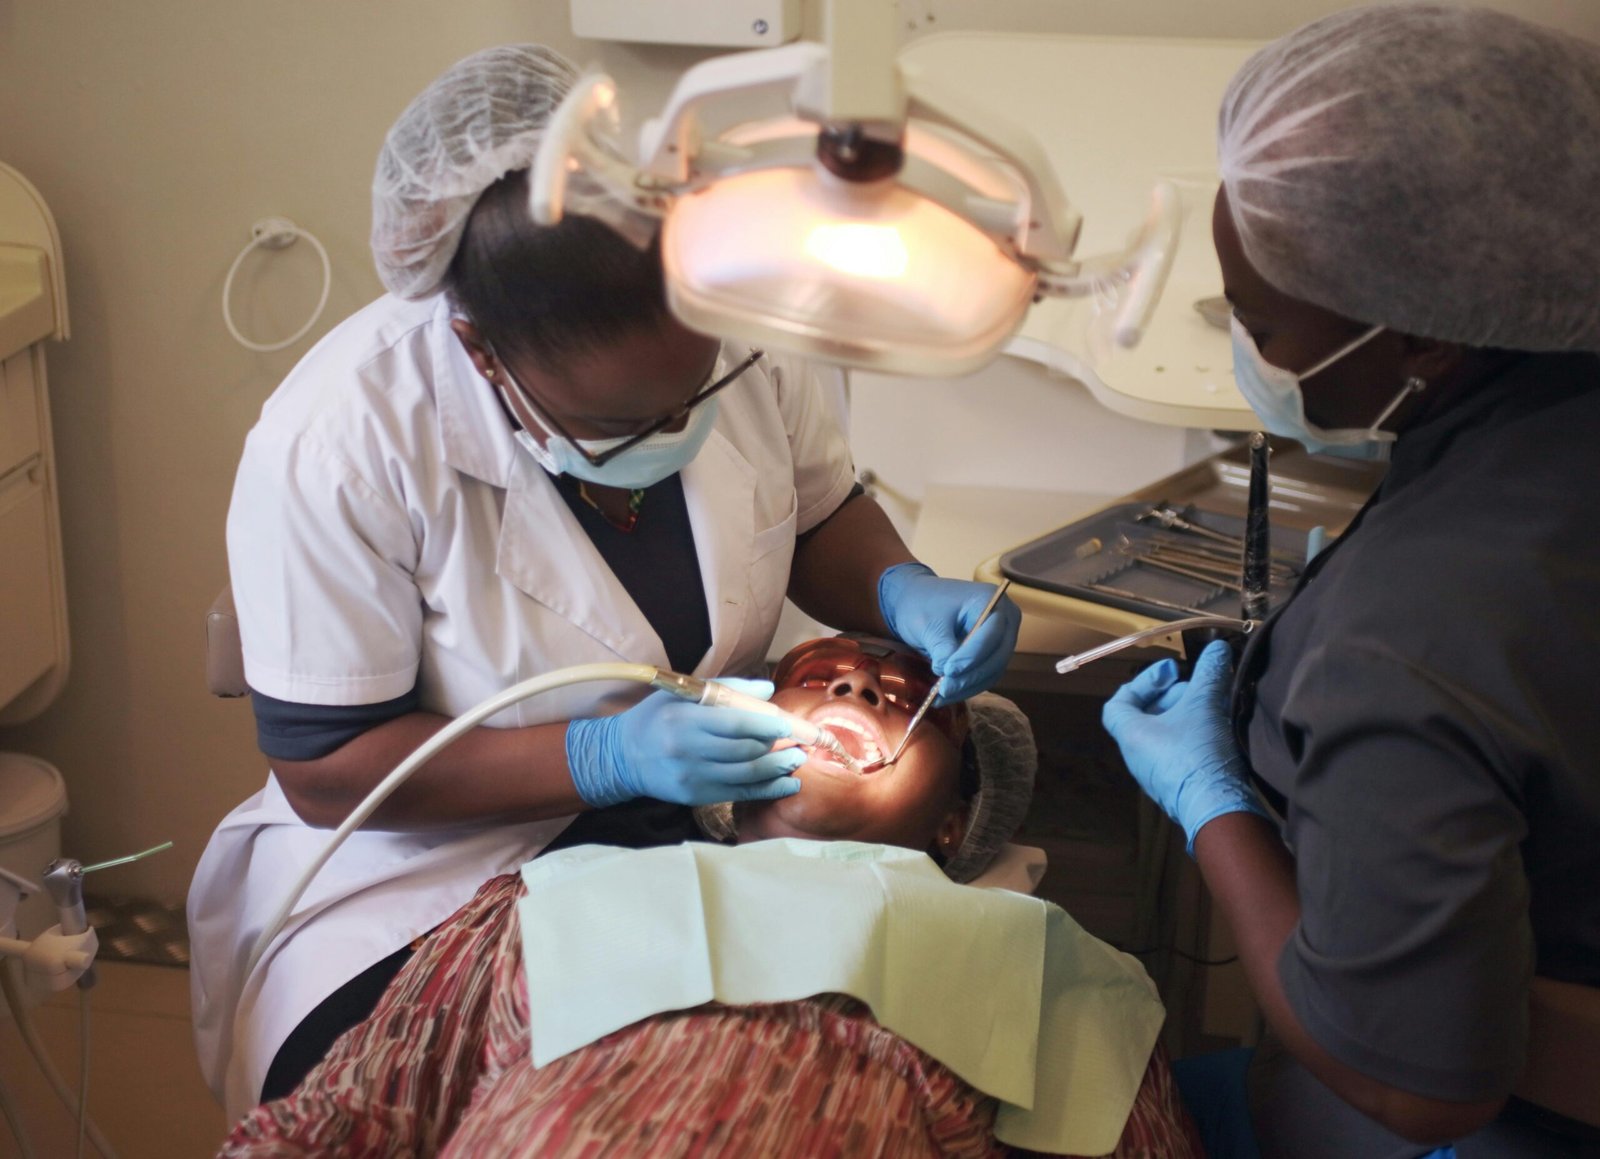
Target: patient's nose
[862,683]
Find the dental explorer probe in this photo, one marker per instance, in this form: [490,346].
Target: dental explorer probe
[1078,659]
[927,703]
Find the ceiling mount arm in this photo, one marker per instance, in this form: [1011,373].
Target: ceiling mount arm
[1136,276]
[669,143]
[1048,226]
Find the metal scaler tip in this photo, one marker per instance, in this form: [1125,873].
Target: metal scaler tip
[835,746]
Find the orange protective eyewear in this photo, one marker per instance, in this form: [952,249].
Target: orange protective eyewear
[904,676]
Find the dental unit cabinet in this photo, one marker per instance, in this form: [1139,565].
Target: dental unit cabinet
[33,602]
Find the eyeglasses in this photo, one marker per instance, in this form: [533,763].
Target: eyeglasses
[904,676]
[655,426]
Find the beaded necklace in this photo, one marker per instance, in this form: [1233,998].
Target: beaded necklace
[635,504]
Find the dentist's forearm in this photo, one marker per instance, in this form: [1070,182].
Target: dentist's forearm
[835,573]
[514,773]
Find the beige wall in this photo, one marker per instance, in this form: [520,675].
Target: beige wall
[1226,19]
[158,131]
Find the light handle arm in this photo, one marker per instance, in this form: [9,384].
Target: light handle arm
[1143,267]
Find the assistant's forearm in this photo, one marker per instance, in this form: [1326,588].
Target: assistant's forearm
[1251,878]
[835,573]
[518,773]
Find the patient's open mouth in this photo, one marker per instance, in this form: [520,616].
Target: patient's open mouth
[859,733]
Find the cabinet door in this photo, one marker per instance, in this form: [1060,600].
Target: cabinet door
[27,606]
[19,413]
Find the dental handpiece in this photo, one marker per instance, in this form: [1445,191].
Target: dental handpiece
[63,878]
[1256,578]
[715,695]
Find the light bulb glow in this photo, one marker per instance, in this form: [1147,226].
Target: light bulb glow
[888,280]
[859,249]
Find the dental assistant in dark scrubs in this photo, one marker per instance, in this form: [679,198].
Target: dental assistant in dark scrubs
[1395,801]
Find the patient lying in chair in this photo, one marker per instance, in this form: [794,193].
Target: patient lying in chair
[767,997]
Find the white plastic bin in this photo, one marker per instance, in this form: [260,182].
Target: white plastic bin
[33,798]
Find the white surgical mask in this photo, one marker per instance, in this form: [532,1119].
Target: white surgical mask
[1277,397]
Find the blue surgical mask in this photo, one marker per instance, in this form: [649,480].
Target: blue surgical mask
[1277,397]
[662,454]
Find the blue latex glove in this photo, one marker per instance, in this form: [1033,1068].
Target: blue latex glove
[1177,740]
[933,615]
[676,750]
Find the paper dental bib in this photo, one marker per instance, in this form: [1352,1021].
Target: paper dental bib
[1004,989]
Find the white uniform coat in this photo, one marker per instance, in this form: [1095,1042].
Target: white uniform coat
[385,532]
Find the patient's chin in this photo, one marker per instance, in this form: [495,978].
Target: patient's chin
[819,810]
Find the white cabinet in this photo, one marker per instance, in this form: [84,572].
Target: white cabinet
[33,604]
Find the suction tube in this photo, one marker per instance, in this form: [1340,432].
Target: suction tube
[1079,659]
[687,687]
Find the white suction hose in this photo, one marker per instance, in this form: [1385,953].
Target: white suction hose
[580,674]
[14,1120]
[30,1038]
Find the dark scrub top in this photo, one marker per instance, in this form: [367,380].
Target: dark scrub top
[1426,713]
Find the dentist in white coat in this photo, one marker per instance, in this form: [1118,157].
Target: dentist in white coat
[514,462]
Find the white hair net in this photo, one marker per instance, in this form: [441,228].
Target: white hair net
[1425,167]
[1007,757]
[483,118]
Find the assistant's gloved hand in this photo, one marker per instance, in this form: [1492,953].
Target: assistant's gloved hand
[676,750]
[1176,739]
[933,615]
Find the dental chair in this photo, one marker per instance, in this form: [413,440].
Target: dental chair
[1563,1070]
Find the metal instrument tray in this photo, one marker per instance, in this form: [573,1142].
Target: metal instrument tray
[1101,549]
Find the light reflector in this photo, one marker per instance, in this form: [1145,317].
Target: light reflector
[868,275]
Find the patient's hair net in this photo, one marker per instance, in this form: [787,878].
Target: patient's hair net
[1428,168]
[1007,758]
[483,118]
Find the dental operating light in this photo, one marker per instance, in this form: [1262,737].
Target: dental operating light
[881,221]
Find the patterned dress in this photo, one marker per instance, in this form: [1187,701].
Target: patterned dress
[442,1068]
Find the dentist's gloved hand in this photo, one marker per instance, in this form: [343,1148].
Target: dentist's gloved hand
[1176,739]
[933,615]
[679,751]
